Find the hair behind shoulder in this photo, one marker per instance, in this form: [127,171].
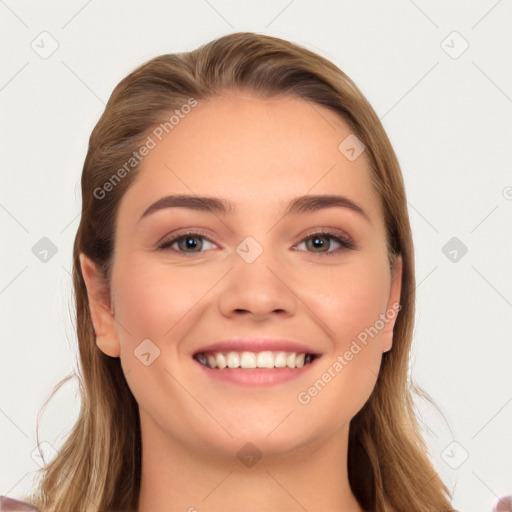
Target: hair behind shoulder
[99,465]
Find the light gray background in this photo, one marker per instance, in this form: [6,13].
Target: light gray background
[448,115]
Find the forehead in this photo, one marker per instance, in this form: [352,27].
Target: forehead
[255,153]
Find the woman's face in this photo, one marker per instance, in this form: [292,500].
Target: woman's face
[255,273]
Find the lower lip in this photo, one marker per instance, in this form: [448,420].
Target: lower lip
[256,376]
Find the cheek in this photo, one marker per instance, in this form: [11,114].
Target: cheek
[351,299]
[346,377]
[354,298]
[152,299]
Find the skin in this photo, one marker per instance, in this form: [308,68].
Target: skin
[259,154]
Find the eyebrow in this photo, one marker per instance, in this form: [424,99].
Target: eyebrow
[297,206]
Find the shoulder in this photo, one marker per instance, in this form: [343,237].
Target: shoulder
[8,504]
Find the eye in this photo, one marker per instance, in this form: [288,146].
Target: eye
[185,241]
[318,239]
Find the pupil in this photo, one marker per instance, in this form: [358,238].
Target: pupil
[317,240]
[190,242]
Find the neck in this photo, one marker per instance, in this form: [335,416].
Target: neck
[178,478]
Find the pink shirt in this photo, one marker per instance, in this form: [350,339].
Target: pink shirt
[8,504]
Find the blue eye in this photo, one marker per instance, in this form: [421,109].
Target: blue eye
[317,239]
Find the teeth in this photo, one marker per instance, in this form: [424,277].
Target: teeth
[265,360]
[233,360]
[221,361]
[248,360]
[280,360]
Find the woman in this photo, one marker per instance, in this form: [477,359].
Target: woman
[227,362]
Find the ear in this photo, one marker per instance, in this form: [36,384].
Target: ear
[393,306]
[102,314]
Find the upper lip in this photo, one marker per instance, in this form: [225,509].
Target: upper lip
[257,345]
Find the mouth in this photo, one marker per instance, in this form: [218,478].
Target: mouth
[247,360]
[263,361]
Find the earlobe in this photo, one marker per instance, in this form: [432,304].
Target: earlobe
[108,346]
[393,306]
[102,315]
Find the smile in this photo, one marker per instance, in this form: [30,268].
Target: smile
[250,360]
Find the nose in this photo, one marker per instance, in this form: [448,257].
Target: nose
[258,288]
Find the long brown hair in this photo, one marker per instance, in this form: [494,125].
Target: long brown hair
[99,465]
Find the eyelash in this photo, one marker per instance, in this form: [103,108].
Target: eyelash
[346,243]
